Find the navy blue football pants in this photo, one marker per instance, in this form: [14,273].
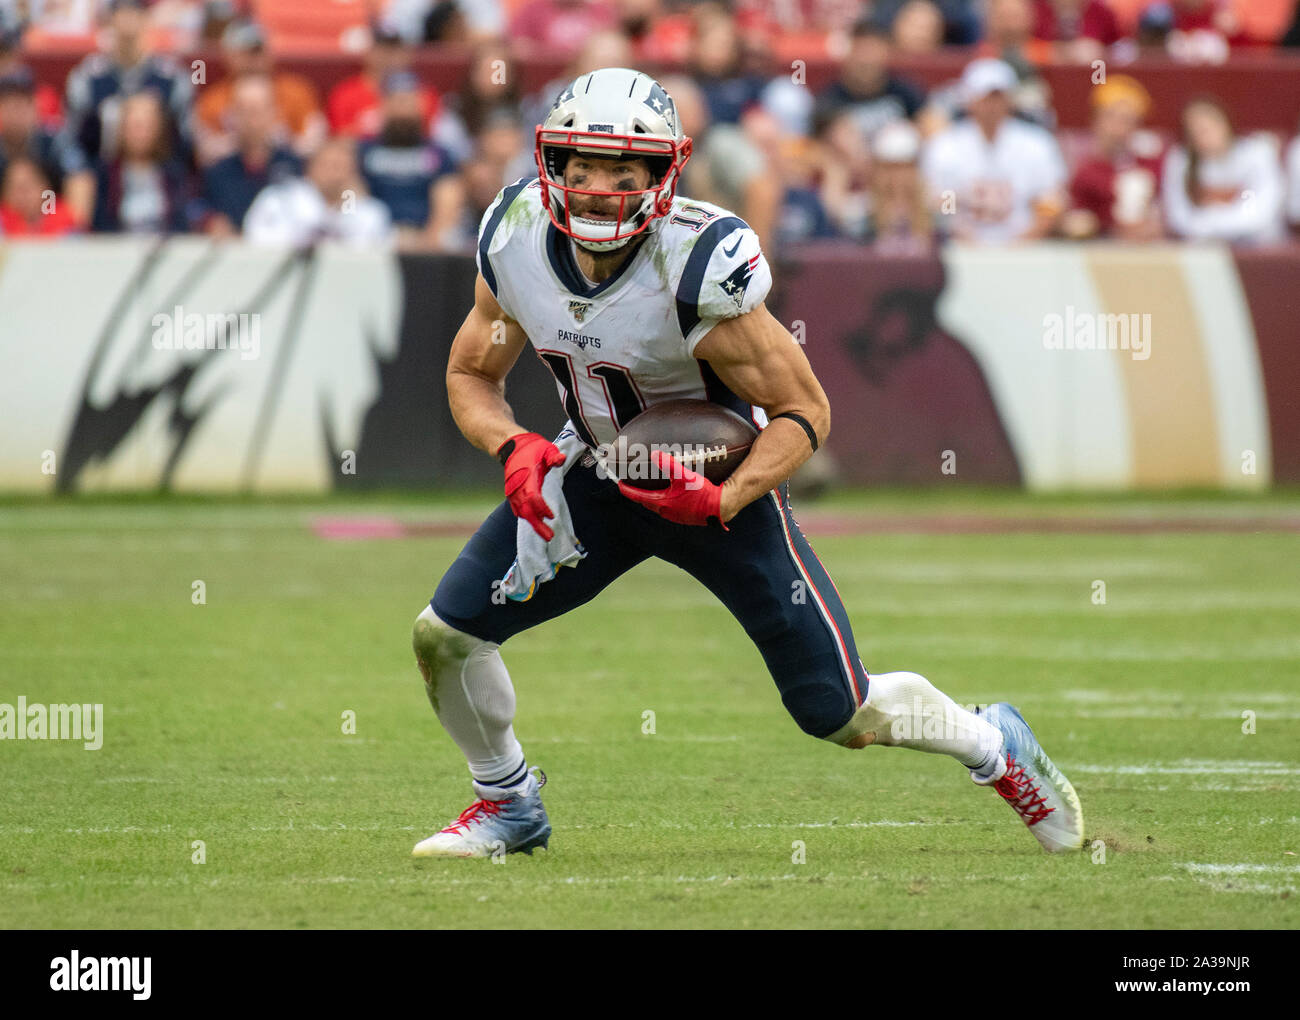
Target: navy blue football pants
[762,569]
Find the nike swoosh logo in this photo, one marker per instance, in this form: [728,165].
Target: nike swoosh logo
[733,248]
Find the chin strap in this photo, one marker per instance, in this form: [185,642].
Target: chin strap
[599,247]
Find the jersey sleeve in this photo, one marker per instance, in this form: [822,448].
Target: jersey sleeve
[726,275]
[493,232]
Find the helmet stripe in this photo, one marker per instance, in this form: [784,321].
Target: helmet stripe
[485,239]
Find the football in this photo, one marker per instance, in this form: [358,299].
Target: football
[706,437]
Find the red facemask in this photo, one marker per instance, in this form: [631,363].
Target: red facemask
[635,209]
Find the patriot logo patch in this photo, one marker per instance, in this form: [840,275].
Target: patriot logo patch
[659,101]
[563,97]
[738,282]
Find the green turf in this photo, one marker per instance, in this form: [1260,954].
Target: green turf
[223,723]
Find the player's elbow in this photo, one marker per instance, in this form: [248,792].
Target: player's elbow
[813,416]
[461,379]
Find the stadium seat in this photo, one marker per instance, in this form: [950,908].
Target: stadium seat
[313,26]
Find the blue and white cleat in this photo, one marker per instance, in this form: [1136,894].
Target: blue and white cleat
[1032,785]
[487,828]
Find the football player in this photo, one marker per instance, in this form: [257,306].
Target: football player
[632,296]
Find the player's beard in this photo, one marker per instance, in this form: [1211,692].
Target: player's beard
[592,206]
[601,208]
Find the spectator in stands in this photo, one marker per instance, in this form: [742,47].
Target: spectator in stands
[218,15]
[716,63]
[402,166]
[460,201]
[491,84]
[28,206]
[1010,39]
[1199,30]
[917,29]
[243,48]
[1081,29]
[606,48]
[49,107]
[422,21]
[793,164]
[559,27]
[329,203]
[1115,188]
[846,175]
[60,161]
[900,219]
[141,187]
[1154,24]
[865,89]
[260,158]
[726,166]
[175,25]
[354,104]
[508,144]
[657,36]
[444,21]
[1218,186]
[99,85]
[961,18]
[1009,36]
[998,177]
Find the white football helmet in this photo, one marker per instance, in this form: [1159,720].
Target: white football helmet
[612,112]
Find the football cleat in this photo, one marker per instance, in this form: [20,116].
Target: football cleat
[1032,785]
[487,828]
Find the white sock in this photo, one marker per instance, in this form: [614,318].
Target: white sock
[906,710]
[470,690]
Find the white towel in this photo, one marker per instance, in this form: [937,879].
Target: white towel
[536,560]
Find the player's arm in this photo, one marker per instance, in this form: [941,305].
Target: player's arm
[758,359]
[485,349]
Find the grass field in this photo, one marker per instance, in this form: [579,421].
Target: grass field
[223,723]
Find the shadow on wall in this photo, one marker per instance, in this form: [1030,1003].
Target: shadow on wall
[909,404]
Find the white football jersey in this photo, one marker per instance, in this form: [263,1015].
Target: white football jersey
[994,184]
[619,346]
[1243,193]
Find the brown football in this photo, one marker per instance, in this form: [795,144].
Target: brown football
[706,437]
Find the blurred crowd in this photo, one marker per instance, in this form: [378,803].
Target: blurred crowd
[136,142]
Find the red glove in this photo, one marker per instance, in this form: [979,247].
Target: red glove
[527,457]
[690,498]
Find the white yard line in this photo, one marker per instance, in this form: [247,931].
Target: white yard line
[1161,696]
[1206,868]
[199,830]
[1229,878]
[1192,767]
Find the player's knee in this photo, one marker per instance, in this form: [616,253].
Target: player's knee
[893,702]
[819,709]
[436,643]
